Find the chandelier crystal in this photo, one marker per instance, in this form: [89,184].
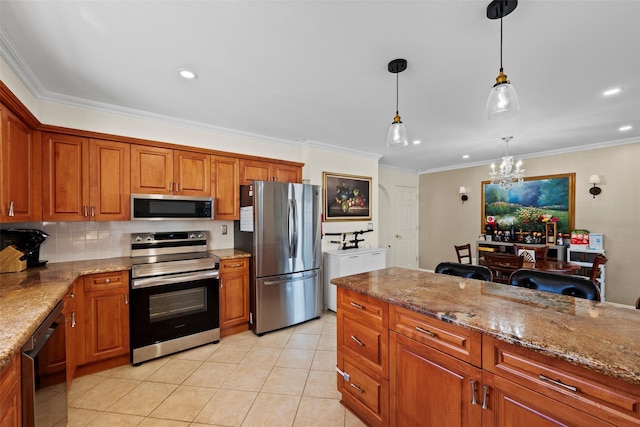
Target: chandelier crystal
[509,173]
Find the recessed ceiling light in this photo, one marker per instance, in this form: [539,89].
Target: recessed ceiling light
[612,91]
[625,128]
[188,74]
[416,142]
[466,156]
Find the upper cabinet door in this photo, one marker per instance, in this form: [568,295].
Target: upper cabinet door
[253,170]
[65,168]
[110,181]
[286,173]
[151,170]
[20,171]
[225,187]
[192,173]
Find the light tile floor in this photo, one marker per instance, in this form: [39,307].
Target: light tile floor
[284,378]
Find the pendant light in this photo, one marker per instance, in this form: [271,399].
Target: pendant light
[503,100]
[397,136]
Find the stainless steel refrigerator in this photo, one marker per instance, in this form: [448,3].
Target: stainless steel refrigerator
[280,226]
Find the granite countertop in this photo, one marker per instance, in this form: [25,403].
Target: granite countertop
[27,297]
[602,337]
[230,253]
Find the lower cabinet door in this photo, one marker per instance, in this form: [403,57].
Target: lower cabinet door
[430,388]
[511,404]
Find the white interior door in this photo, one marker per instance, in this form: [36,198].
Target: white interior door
[405,253]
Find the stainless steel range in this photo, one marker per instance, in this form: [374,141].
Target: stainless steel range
[174,294]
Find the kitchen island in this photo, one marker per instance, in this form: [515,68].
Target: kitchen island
[499,340]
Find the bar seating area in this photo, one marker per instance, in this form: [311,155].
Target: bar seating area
[574,286]
[468,271]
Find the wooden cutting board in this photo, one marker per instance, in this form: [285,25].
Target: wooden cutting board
[10,260]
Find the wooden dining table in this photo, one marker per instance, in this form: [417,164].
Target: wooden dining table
[552,266]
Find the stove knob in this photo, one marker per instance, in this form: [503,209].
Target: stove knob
[138,238]
[200,235]
[192,235]
[149,238]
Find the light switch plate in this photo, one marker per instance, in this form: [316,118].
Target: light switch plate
[223,229]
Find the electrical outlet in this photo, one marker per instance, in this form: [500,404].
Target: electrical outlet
[223,229]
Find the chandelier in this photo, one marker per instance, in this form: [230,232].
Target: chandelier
[508,174]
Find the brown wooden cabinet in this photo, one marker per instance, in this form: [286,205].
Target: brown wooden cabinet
[225,187]
[443,374]
[535,389]
[158,170]
[234,296]
[362,356]
[20,178]
[429,387]
[103,317]
[256,170]
[85,179]
[10,394]
[70,328]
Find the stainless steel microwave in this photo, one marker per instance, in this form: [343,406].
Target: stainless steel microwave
[159,206]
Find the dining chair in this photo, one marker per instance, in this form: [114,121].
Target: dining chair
[502,265]
[464,252]
[479,272]
[575,286]
[596,271]
[540,252]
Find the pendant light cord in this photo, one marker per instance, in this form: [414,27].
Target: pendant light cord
[501,42]
[397,79]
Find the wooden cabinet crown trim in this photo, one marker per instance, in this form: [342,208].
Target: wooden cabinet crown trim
[19,109]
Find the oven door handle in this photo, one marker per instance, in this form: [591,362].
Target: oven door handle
[174,278]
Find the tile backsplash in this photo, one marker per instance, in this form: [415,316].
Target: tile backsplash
[75,241]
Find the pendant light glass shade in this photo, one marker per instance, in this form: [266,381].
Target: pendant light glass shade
[503,99]
[397,136]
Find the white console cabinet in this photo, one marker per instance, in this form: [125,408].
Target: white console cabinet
[340,263]
[584,258]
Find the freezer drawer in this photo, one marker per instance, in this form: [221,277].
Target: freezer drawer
[286,300]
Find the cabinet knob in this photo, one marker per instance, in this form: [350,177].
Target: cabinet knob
[11,212]
[107,280]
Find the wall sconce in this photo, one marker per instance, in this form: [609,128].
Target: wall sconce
[463,194]
[595,190]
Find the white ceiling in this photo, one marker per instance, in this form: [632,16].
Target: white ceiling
[316,71]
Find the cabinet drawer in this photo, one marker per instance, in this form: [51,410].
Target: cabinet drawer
[231,265]
[605,397]
[101,281]
[367,395]
[368,345]
[458,342]
[370,310]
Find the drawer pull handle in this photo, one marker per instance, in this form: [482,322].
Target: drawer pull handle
[425,331]
[233,265]
[474,401]
[343,374]
[559,383]
[357,388]
[357,341]
[11,211]
[73,319]
[485,396]
[358,306]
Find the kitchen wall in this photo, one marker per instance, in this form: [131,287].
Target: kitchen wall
[445,221]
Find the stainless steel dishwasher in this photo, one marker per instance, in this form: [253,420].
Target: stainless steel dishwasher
[44,374]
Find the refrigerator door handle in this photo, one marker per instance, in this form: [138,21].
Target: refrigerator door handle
[294,203]
[277,282]
[290,225]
